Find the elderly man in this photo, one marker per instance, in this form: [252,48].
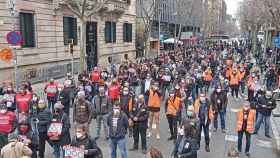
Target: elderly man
[82,110]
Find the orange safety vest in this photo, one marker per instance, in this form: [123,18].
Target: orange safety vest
[228,72]
[207,76]
[154,100]
[234,79]
[250,121]
[173,106]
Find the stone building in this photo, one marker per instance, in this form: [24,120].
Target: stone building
[47,31]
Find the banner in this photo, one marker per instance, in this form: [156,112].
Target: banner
[73,152]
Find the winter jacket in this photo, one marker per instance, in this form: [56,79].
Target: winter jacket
[119,131]
[64,138]
[219,101]
[265,105]
[89,144]
[101,105]
[65,96]
[140,111]
[44,116]
[82,111]
[194,147]
[15,149]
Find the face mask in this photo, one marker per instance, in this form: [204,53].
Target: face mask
[3,111]
[246,108]
[79,135]
[116,111]
[9,89]
[23,129]
[268,96]
[125,93]
[189,113]
[202,99]
[218,90]
[156,88]
[172,95]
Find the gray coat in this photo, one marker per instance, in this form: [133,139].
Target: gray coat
[101,105]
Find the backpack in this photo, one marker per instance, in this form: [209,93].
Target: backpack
[185,147]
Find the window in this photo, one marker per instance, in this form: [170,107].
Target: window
[27,29]
[110,30]
[70,30]
[127,32]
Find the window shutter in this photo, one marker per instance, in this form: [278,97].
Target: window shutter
[75,31]
[114,32]
[124,32]
[130,33]
[27,29]
[65,30]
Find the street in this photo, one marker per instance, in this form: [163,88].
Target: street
[219,144]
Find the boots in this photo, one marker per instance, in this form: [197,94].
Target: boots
[207,149]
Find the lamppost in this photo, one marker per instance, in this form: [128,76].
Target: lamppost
[159,28]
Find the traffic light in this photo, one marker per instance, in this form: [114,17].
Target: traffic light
[71,46]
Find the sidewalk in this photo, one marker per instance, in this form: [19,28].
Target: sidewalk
[275,124]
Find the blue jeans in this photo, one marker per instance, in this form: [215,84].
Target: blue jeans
[122,146]
[222,114]
[57,151]
[262,118]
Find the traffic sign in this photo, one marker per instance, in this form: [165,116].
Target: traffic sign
[14,38]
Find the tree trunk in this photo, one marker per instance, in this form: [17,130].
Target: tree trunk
[83,46]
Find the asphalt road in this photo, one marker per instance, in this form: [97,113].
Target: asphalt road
[220,143]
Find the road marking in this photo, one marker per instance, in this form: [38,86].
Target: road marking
[234,110]
[231,138]
[264,144]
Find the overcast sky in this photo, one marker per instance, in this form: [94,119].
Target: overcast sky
[232,6]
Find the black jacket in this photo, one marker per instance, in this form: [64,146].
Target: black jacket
[219,101]
[265,105]
[122,124]
[64,139]
[140,111]
[44,116]
[93,150]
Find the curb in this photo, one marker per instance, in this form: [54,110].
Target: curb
[275,133]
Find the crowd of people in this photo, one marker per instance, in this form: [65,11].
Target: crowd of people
[191,88]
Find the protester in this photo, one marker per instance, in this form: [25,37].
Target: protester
[15,149]
[118,124]
[44,120]
[154,102]
[101,108]
[84,141]
[51,89]
[59,130]
[245,124]
[139,116]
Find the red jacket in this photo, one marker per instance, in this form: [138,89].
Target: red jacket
[22,102]
[51,89]
[6,122]
[114,92]
[95,76]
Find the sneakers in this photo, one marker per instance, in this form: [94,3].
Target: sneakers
[215,130]
[223,131]
[247,154]
[158,137]
[207,149]
[144,151]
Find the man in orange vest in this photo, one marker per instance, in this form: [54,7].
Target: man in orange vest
[234,83]
[241,74]
[245,124]
[154,103]
[207,77]
[172,108]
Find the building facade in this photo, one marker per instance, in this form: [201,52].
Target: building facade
[47,31]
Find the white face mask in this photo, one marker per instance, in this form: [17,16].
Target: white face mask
[172,95]
[125,93]
[219,90]
[116,111]
[79,135]
[3,111]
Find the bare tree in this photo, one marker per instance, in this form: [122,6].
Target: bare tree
[83,9]
[146,10]
[273,8]
[252,15]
